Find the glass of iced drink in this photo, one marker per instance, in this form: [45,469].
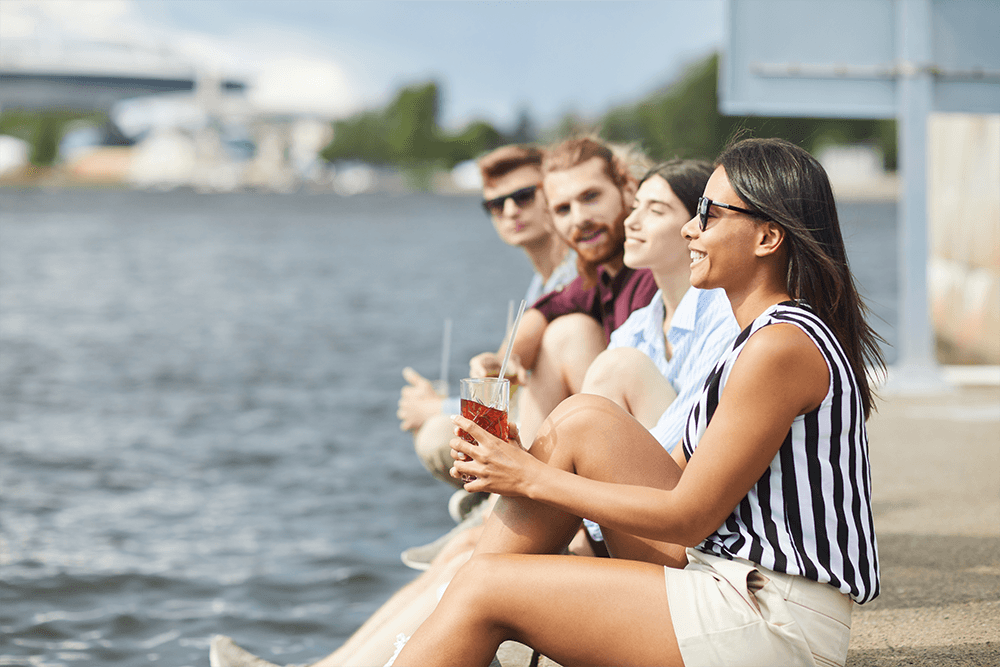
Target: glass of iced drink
[485,401]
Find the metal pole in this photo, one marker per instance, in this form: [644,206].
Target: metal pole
[916,369]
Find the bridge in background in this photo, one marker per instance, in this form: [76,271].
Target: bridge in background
[90,92]
[93,76]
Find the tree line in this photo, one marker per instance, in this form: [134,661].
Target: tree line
[681,120]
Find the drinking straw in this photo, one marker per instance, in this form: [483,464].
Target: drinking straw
[510,318]
[510,339]
[445,351]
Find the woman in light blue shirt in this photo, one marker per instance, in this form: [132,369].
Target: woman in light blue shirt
[658,359]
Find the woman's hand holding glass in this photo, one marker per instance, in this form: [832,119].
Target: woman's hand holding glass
[498,466]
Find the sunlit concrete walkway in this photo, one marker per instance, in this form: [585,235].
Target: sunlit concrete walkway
[936,492]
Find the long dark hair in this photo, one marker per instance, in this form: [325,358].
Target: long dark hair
[788,186]
[687,178]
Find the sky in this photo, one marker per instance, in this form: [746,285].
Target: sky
[491,59]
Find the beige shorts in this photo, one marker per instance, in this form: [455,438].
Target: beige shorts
[732,612]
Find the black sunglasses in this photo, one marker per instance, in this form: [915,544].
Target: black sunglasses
[521,198]
[705,202]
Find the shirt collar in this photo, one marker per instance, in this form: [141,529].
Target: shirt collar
[687,311]
[612,281]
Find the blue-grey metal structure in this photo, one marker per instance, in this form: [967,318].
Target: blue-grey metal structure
[89,92]
[897,59]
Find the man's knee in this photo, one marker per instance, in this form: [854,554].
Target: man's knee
[572,329]
[432,444]
[569,345]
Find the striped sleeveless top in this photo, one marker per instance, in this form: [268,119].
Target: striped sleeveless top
[810,513]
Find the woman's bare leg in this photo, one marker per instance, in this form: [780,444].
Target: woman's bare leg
[631,379]
[577,611]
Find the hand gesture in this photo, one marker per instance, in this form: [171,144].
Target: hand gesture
[418,401]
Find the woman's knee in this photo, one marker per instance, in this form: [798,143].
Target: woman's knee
[601,377]
[609,372]
[578,421]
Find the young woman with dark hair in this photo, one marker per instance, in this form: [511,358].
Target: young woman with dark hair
[751,543]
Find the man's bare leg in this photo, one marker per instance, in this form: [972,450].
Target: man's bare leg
[431,444]
[569,345]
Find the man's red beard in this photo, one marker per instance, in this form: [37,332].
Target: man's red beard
[589,258]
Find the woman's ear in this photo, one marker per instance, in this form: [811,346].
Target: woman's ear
[771,238]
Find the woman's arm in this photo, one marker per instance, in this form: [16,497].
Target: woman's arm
[780,374]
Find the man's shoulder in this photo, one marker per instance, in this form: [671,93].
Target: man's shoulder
[574,286]
[571,297]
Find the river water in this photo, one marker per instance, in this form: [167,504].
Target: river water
[197,409]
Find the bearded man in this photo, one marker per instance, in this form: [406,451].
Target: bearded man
[589,191]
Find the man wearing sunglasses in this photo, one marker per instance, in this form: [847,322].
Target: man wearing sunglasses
[513,200]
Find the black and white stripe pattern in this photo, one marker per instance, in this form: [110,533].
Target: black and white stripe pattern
[810,513]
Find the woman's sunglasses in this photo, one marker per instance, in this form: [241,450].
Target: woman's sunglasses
[522,198]
[705,202]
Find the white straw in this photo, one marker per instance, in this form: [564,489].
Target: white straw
[510,339]
[510,318]
[445,351]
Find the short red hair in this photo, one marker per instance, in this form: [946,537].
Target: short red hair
[573,152]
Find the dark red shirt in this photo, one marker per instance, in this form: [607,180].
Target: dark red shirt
[610,302]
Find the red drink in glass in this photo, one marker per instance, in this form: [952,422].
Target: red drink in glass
[491,419]
[484,401]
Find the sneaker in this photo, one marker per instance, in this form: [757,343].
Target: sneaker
[462,502]
[419,558]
